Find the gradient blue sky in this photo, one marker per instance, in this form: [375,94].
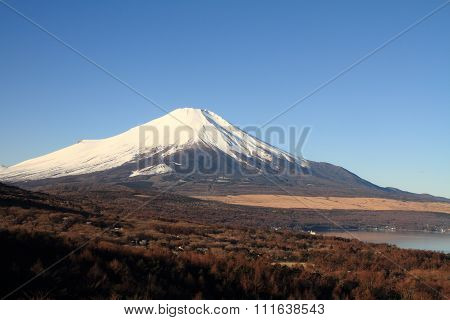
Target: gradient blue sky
[388,120]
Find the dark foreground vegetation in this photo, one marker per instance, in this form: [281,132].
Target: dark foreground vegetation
[108,271]
[162,251]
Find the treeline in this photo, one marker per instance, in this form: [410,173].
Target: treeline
[104,270]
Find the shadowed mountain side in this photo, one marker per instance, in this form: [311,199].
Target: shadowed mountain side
[324,180]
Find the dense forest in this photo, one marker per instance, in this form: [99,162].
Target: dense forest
[164,251]
[104,270]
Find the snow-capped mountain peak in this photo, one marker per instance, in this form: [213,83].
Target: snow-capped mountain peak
[181,129]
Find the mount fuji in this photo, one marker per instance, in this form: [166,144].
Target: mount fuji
[181,129]
[195,150]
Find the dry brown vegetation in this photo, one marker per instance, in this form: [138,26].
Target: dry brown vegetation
[330,203]
[176,247]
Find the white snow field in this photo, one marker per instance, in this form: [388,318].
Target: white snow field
[173,132]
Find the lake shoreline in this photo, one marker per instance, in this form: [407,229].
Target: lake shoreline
[418,240]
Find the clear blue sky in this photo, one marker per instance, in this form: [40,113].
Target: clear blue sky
[388,120]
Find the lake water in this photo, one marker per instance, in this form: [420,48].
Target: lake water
[406,240]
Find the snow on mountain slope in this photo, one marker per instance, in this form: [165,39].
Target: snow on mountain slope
[171,133]
[152,170]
